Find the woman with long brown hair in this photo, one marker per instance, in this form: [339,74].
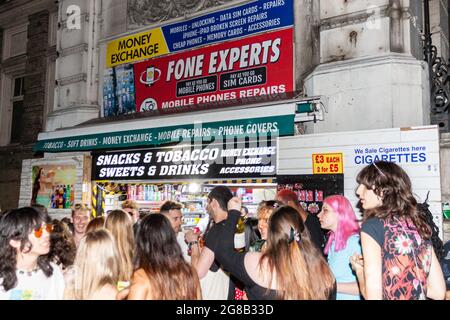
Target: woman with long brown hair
[96,268]
[399,260]
[288,269]
[121,226]
[161,271]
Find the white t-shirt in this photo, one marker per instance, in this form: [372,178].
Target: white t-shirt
[36,286]
[183,246]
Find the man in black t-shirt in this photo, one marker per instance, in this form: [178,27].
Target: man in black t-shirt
[204,260]
[289,198]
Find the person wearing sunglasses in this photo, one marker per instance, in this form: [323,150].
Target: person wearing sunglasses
[81,215]
[25,270]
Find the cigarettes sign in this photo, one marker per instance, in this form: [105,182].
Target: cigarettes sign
[227,73]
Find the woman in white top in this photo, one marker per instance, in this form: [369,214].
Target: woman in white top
[25,271]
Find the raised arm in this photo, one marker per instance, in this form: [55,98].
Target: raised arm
[200,260]
[231,260]
[372,267]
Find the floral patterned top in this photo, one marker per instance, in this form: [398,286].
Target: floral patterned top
[406,257]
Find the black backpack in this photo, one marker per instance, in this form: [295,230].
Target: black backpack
[427,216]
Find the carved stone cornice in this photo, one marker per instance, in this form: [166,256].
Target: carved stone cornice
[72,79]
[349,19]
[73,50]
[147,12]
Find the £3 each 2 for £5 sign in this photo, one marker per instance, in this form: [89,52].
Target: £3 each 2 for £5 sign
[328,163]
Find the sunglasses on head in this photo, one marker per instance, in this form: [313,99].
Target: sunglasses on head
[38,230]
[80,206]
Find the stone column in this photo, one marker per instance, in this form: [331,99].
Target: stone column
[368,69]
[35,72]
[77,64]
[396,15]
[307,39]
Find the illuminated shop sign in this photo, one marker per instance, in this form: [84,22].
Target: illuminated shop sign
[253,159]
[203,132]
[242,71]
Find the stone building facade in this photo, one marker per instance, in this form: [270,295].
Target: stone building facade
[26,84]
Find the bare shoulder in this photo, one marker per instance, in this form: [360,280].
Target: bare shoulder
[139,286]
[252,258]
[251,263]
[258,270]
[107,292]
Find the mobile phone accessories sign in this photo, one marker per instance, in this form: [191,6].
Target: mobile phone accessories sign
[241,21]
[238,72]
[187,162]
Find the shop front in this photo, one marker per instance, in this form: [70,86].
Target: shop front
[150,163]
[333,160]
[210,96]
[185,174]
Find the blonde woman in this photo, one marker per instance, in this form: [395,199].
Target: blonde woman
[121,226]
[265,210]
[96,268]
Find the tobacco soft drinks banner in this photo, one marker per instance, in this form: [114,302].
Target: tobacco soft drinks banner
[252,128]
[228,73]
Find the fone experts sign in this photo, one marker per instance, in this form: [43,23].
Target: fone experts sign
[256,68]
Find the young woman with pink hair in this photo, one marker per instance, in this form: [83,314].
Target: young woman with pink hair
[337,215]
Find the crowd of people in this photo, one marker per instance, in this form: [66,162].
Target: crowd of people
[289,254]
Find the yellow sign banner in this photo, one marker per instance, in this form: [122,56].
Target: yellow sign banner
[137,47]
[328,163]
